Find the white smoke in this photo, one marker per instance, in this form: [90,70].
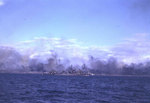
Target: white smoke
[56,54]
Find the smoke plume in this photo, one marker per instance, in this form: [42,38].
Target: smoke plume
[61,56]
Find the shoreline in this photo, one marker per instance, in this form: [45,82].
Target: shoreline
[46,73]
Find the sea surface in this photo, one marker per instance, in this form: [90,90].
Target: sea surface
[37,88]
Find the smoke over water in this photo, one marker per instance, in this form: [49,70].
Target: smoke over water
[60,56]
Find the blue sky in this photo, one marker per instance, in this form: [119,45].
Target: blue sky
[93,22]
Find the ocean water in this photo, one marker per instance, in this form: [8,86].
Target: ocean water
[36,88]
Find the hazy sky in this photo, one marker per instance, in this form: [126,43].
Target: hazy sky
[94,22]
